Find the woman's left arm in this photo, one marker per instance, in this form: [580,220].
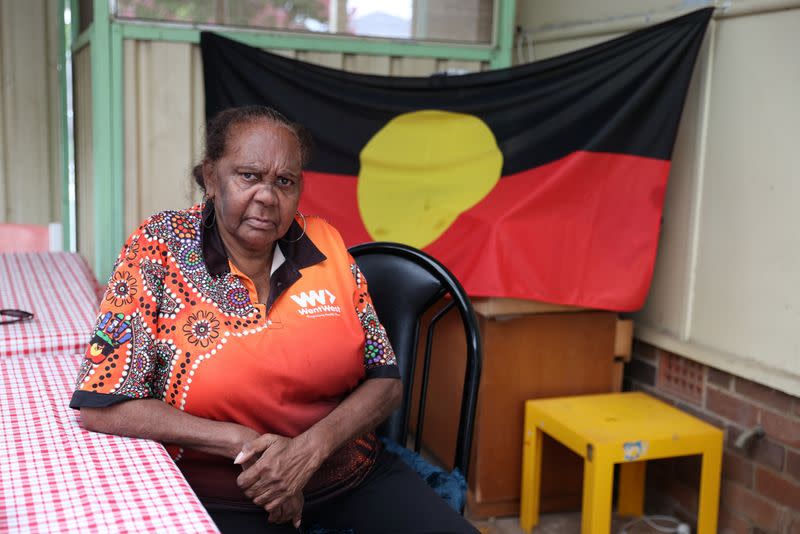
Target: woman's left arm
[361,411]
[286,464]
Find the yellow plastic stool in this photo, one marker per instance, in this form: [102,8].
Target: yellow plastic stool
[618,428]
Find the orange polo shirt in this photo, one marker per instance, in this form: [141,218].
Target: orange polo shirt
[180,323]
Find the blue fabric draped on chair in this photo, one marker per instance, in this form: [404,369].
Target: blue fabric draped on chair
[452,486]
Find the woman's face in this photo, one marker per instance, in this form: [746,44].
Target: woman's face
[256,184]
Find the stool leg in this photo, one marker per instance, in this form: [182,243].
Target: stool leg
[708,507]
[598,479]
[630,495]
[531,475]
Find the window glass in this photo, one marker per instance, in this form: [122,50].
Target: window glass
[468,21]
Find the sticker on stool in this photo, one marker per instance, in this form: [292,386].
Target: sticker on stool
[633,450]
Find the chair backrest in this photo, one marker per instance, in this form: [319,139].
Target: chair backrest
[404,283]
[30,237]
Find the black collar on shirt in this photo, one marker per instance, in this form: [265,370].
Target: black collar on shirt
[298,250]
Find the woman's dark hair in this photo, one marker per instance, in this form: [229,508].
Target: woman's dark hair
[219,127]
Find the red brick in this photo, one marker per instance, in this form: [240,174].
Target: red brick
[758,510]
[771,397]
[718,378]
[731,407]
[681,377]
[761,450]
[737,469]
[729,523]
[795,527]
[783,428]
[769,453]
[779,489]
[793,464]
[700,414]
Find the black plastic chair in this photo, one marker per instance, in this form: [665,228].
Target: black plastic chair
[404,284]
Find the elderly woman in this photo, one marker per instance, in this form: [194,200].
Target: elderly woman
[236,332]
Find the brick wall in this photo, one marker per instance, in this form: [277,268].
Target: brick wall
[760,490]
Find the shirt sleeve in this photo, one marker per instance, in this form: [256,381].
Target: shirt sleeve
[379,357]
[121,358]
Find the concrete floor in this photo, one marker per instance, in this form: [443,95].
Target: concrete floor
[560,523]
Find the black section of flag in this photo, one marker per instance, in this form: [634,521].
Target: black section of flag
[622,96]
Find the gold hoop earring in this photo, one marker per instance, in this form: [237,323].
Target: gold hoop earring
[304,229]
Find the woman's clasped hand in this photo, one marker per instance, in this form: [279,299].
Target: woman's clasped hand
[276,469]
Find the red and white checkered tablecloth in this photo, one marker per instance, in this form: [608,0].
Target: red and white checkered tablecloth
[61,291]
[57,477]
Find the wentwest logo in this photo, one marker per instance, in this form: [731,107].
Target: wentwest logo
[317,303]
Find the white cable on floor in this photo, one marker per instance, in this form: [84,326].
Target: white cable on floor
[679,528]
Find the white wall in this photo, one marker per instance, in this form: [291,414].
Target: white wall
[30,128]
[726,289]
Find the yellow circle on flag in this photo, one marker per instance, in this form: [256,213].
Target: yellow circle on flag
[421,171]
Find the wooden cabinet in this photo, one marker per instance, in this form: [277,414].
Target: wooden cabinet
[530,351]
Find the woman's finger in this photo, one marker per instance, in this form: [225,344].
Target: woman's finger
[297,513]
[277,515]
[255,447]
[289,510]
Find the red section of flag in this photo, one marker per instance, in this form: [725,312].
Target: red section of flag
[334,198]
[581,230]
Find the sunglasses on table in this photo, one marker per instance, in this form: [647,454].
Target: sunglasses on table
[9,316]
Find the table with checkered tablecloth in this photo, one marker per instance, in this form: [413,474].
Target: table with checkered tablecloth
[57,477]
[60,290]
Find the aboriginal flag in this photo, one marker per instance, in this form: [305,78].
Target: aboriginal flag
[543,181]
